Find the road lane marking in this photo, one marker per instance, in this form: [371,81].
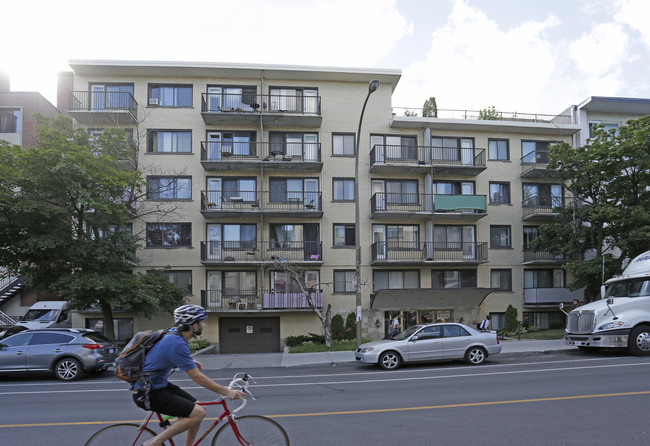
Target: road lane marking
[365,411]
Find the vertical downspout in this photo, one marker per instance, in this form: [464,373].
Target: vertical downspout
[261,198]
[428,189]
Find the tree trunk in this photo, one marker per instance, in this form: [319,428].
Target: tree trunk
[109,329]
[327,326]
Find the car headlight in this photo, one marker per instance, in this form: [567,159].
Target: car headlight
[367,349]
[611,325]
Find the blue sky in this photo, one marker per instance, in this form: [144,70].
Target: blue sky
[527,56]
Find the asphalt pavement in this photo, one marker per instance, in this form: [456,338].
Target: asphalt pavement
[243,361]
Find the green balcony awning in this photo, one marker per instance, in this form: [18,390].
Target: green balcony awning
[452,202]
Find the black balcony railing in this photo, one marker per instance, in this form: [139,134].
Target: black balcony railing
[251,150]
[489,115]
[429,251]
[531,256]
[243,251]
[260,103]
[394,202]
[215,201]
[255,300]
[99,101]
[425,155]
[545,205]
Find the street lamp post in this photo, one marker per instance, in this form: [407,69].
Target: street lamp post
[372,87]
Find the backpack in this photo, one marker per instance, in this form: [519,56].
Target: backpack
[128,366]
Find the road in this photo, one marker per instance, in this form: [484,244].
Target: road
[563,399]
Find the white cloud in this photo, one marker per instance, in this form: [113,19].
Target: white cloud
[601,50]
[635,13]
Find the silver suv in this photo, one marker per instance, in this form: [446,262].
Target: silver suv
[66,352]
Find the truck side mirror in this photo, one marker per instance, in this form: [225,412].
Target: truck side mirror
[610,301]
[561,305]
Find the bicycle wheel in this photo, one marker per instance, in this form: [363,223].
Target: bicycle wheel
[255,430]
[123,434]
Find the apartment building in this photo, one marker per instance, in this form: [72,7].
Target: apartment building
[254,166]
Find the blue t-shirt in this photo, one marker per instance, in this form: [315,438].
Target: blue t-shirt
[171,351]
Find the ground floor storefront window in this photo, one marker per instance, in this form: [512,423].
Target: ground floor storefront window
[408,318]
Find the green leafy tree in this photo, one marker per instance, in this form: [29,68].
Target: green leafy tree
[489,113]
[511,319]
[338,331]
[65,212]
[608,179]
[430,108]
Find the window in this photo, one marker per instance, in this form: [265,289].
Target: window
[111,96]
[169,188]
[229,98]
[607,127]
[169,234]
[453,188]
[453,149]
[219,145]
[453,237]
[228,237]
[544,278]
[395,192]
[10,120]
[430,332]
[344,236]
[389,148]
[343,281]
[170,95]
[499,193]
[304,146]
[182,279]
[463,278]
[51,338]
[294,100]
[343,189]
[542,195]
[385,280]
[498,149]
[342,145]
[500,237]
[284,282]
[123,327]
[454,331]
[530,234]
[169,141]
[501,279]
[296,190]
[535,151]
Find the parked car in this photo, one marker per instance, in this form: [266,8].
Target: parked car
[430,342]
[65,352]
[8,330]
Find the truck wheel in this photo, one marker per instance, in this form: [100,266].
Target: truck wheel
[638,342]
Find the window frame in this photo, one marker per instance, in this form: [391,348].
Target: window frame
[347,227]
[348,285]
[494,238]
[343,136]
[177,95]
[498,149]
[501,272]
[342,182]
[404,279]
[153,141]
[174,180]
[185,230]
[503,186]
[460,280]
[15,124]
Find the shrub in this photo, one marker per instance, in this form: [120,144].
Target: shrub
[294,341]
[511,318]
[351,326]
[198,344]
[338,332]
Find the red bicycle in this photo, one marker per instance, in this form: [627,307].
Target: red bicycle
[245,430]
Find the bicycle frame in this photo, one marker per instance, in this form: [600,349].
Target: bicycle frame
[163,422]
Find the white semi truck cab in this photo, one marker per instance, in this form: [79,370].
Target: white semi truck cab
[621,318]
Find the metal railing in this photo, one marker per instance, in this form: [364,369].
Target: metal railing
[224,201]
[429,251]
[545,205]
[260,103]
[253,251]
[99,101]
[427,155]
[251,150]
[547,257]
[258,300]
[486,115]
[396,202]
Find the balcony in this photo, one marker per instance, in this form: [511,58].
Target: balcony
[543,257]
[442,207]
[255,253]
[545,208]
[534,166]
[256,301]
[444,160]
[245,155]
[103,107]
[551,296]
[410,253]
[215,204]
[281,110]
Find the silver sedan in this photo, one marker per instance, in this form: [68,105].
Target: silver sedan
[431,342]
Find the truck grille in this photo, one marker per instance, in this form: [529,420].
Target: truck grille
[581,322]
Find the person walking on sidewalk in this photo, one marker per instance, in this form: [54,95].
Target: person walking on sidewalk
[485,323]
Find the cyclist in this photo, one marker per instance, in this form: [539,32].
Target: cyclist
[164,397]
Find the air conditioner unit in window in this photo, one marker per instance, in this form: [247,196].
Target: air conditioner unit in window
[154,101]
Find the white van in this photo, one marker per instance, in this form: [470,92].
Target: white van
[47,314]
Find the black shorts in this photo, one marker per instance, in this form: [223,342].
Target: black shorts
[168,400]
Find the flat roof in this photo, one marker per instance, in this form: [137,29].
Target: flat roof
[612,104]
[237,70]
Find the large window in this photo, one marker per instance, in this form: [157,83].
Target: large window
[343,189]
[169,188]
[453,149]
[111,96]
[453,188]
[298,190]
[535,151]
[344,236]
[498,149]
[284,282]
[389,148]
[122,326]
[544,278]
[342,144]
[385,280]
[295,145]
[10,120]
[500,237]
[182,279]
[463,278]
[230,237]
[394,192]
[344,281]
[294,100]
[170,95]
[169,235]
[501,279]
[530,234]
[499,193]
[542,195]
[161,141]
[232,98]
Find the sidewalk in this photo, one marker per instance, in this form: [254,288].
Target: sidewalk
[511,348]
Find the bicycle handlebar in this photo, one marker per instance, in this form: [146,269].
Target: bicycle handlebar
[240,383]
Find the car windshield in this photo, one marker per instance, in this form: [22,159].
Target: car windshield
[629,288]
[407,333]
[43,315]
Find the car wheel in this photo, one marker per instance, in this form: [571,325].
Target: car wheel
[476,355]
[390,360]
[638,342]
[68,369]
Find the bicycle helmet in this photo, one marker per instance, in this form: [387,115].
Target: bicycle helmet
[189,314]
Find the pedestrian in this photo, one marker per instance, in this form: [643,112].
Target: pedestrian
[485,323]
[395,326]
[576,303]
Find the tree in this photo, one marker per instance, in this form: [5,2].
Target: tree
[65,212]
[608,179]
[489,113]
[430,109]
[511,319]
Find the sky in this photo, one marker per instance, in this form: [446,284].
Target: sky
[526,56]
